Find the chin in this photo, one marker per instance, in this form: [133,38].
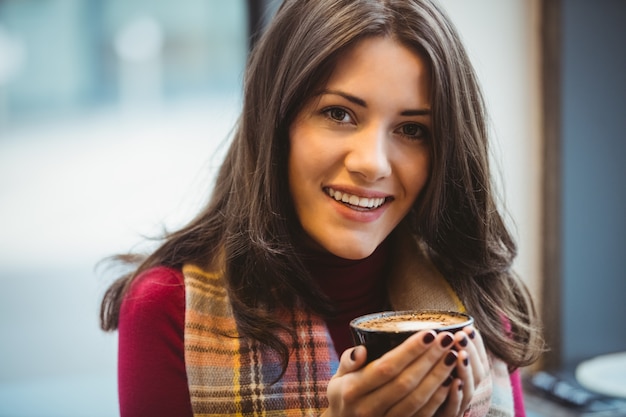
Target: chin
[351,252]
[353,248]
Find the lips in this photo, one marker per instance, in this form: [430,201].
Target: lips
[355,200]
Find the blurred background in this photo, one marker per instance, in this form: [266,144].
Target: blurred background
[114,116]
[111,117]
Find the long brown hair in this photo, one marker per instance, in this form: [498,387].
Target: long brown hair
[249,227]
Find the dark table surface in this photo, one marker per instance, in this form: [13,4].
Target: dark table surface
[541,404]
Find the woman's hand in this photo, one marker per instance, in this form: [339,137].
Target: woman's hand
[422,377]
[414,379]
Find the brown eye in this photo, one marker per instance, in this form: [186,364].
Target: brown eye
[414,131]
[337,114]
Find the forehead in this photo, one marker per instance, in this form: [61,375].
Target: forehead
[382,67]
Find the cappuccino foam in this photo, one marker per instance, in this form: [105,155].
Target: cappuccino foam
[411,322]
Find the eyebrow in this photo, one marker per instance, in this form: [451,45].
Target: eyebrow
[360,102]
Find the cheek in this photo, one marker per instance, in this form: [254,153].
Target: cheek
[301,163]
[416,173]
[308,154]
[296,163]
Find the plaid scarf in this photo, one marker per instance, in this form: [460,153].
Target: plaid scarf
[232,375]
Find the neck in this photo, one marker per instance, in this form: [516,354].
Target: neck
[354,287]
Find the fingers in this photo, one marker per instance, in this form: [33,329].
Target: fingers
[394,362]
[453,405]
[477,339]
[471,341]
[351,360]
[343,386]
[359,389]
[428,375]
[465,375]
[473,362]
[439,402]
[424,381]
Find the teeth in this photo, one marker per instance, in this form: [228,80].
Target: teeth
[354,200]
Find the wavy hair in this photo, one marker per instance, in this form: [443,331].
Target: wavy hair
[249,228]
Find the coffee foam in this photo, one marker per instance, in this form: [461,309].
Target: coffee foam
[411,322]
[412,325]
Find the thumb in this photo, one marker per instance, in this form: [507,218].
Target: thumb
[351,360]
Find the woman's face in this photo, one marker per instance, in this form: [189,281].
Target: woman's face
[360,148]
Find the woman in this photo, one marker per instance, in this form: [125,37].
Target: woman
[357,181]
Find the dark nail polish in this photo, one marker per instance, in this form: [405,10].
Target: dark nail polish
[428,338]
[448,381]
[447,341]
[466,361]
[472,334]
[353,355]
[450,358]
[463,342]
[460,386]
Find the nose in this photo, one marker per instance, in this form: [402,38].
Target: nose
[368,155]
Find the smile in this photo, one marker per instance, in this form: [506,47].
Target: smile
[356,201]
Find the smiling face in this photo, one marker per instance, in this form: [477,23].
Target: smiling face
[360,148]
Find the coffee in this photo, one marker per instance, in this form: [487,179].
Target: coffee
[412,321]
[381,332]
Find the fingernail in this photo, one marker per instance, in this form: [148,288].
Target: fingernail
[448,381]
[466,361]
[447,341]
[450,358]
[428,338]
[463,342]
[353,355]
[472,334]
[460,385]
